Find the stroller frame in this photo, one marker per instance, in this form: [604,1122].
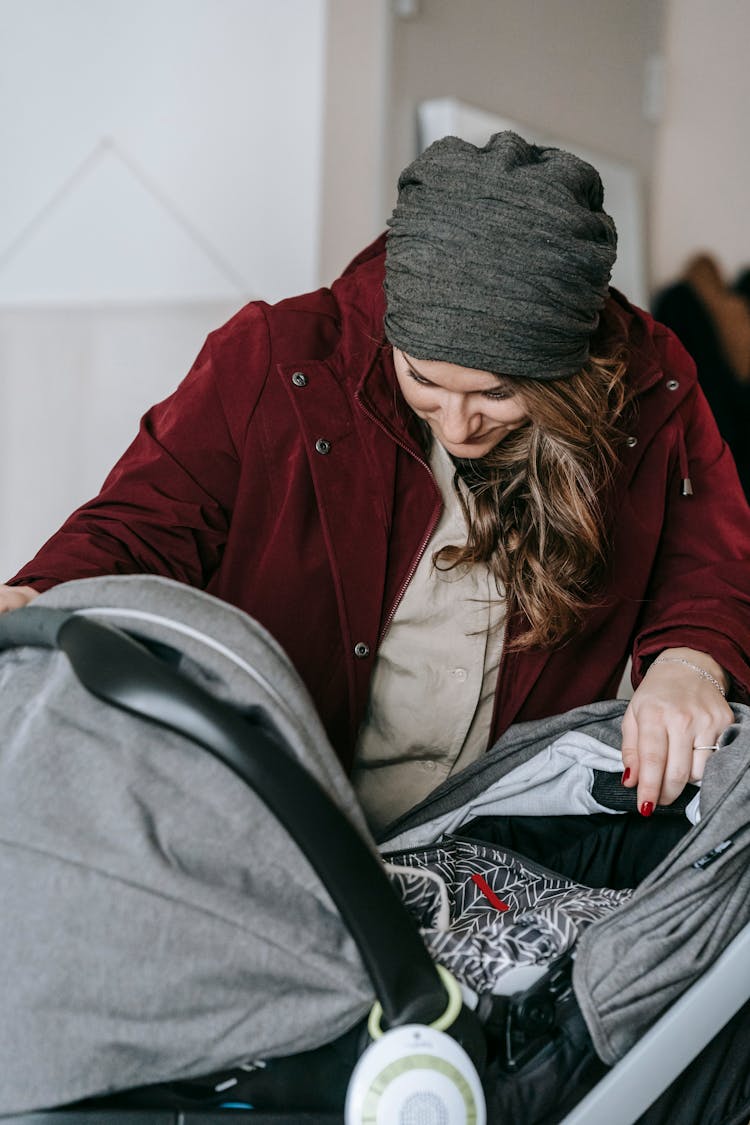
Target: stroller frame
[131,678]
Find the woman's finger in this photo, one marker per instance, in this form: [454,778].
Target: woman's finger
[703,749]
[16,597]
[629,749]
[653,750]
[678,764]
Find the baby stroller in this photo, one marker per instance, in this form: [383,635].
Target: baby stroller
[200,936]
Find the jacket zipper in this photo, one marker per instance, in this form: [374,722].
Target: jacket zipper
[499,680]
[418,558]
[430,528]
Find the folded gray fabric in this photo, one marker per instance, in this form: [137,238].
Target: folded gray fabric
[157,920]
[498,258]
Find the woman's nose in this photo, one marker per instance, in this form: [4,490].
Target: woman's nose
[458,422]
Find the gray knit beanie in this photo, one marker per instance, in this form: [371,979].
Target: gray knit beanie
[498,258]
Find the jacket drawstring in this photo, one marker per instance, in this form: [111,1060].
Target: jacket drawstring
[687,485]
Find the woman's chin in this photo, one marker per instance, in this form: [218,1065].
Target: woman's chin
[475,447]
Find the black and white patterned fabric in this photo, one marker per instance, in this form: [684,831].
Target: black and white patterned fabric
[483,910]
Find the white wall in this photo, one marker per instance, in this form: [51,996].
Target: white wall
[161,164]
[702,167]
[356,197]
[75,381]
[159,150]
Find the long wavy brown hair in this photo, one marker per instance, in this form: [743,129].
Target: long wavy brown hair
[537,517]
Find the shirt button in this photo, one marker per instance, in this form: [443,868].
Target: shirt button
[460,674]
[631,441]
[322,446]
[299,379]
[672,384]
[429,765]
[361,650]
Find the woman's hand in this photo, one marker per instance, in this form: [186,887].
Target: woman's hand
[15,597]
[673,713]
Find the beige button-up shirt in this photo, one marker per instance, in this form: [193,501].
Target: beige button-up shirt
[433,684]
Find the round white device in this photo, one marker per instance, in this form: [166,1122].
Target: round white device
[414,1075]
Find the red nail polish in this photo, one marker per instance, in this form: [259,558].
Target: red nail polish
[626,775]
[647,808]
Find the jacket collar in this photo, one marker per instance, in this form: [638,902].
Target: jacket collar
[364,350]
[635,328]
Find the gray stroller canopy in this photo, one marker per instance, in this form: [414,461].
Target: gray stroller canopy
[157,920]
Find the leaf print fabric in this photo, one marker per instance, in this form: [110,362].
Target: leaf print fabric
[530,916]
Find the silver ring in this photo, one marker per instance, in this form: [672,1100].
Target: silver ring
[710,749]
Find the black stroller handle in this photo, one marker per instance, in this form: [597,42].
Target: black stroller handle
[119,670]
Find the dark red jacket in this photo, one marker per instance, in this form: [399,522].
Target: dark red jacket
[284,476]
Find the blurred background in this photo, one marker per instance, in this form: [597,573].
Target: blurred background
[165,161]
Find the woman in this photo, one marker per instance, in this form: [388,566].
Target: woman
[460,500]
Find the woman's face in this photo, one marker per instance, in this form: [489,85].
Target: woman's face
[468,411]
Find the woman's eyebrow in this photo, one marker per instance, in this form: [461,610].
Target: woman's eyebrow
[415,370]
[503,381]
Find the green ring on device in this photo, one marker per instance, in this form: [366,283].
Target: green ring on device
[442,1023]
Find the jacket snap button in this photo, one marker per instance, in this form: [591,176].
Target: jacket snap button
[323,446]
[672,384]
[361,649]
[631,441]
[299,379]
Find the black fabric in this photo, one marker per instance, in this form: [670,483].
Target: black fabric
[679,307]
[608,791]
[602,850]
[551,1083]
[715,1088]
[310,1081]
[741,284]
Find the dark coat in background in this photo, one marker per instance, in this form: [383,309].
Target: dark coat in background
[681,308]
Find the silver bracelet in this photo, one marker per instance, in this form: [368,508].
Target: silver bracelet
[688,664]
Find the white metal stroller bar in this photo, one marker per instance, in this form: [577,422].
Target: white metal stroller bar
[646,1071]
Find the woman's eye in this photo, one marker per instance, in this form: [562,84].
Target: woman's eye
[499,396]
[420,379]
